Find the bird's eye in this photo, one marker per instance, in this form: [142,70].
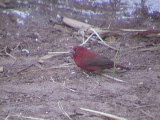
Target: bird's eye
[77,50]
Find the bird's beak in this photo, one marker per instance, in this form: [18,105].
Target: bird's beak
[72,52]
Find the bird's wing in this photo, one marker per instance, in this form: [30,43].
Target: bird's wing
[100,61]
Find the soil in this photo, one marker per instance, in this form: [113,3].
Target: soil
[31,87]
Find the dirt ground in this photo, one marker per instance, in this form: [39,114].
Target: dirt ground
[49,89]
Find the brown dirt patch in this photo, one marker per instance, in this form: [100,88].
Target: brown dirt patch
[28,90]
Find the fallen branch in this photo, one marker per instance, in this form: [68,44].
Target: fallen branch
[86,27]
[102,32]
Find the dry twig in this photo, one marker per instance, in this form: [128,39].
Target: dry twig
[104,114]
[64,112]
[25,117]
[51,54]
[5,50]
[102,40]
[116,79]
[138,107]
[87,39]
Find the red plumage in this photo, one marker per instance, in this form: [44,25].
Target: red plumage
[91,61]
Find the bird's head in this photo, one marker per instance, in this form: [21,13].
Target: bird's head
[78,51]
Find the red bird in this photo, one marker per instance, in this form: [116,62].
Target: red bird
[91,61]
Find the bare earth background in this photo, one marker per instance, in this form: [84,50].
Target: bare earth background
[45,89]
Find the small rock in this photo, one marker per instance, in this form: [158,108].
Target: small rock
[25,51]
[40,61]
[1,69]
